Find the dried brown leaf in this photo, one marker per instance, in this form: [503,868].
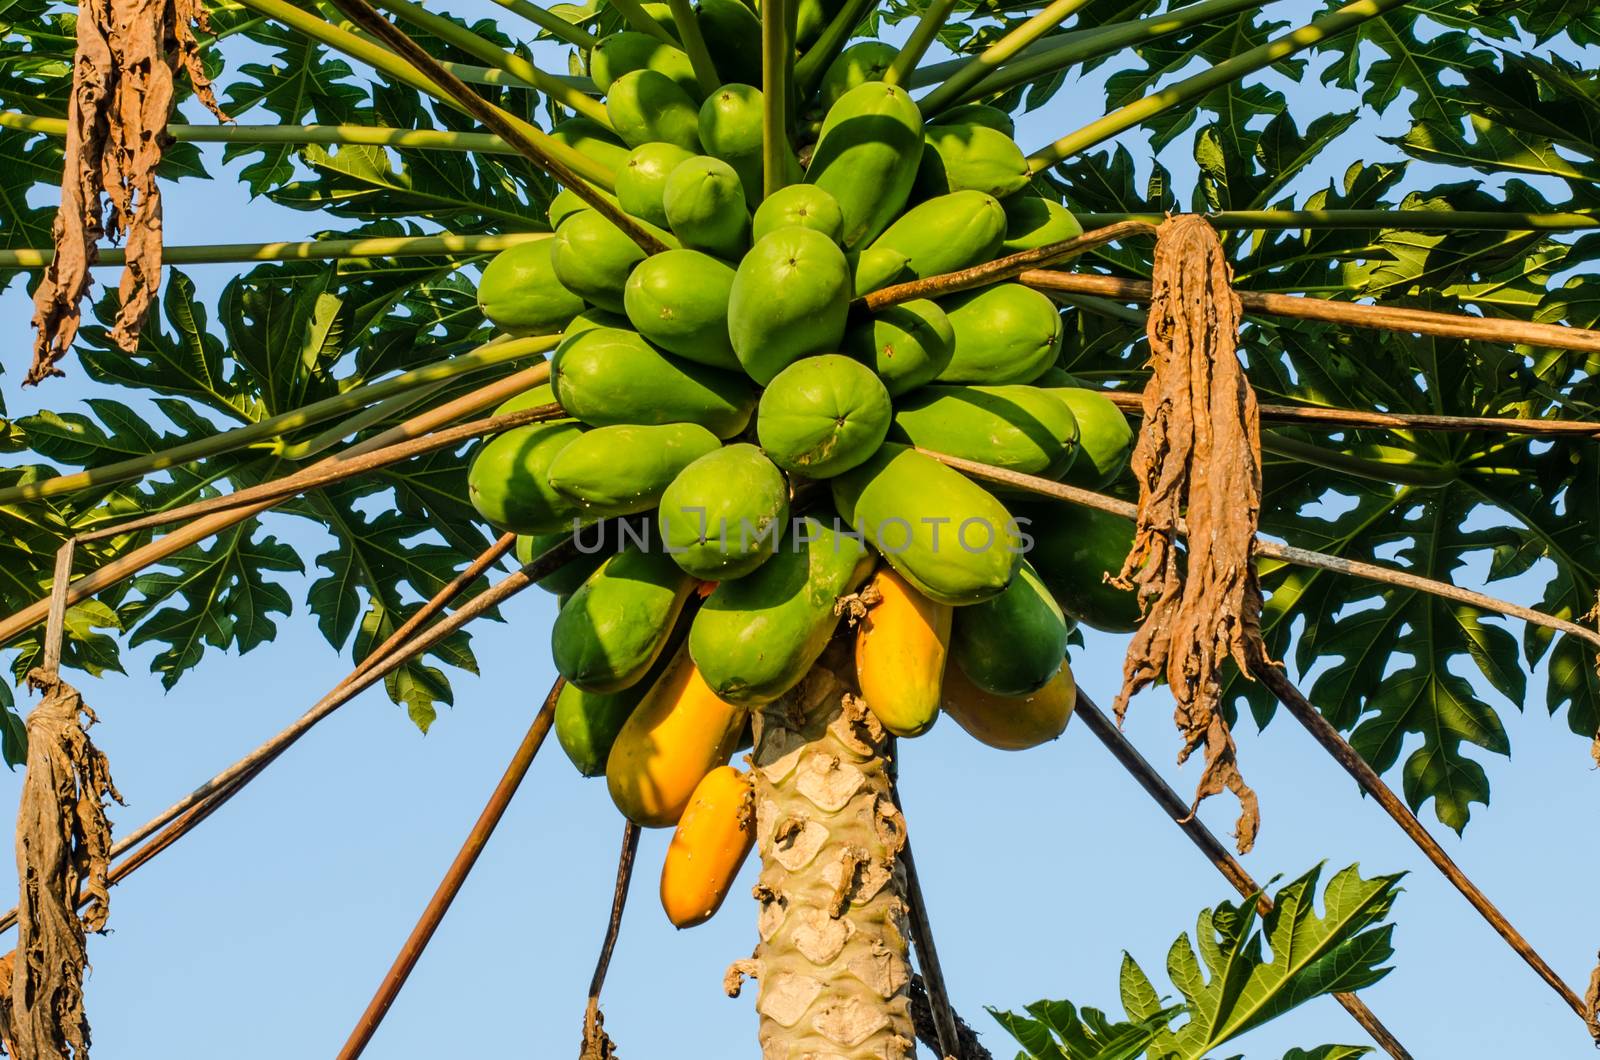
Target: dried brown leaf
[1198,462]
[63,844]
[122,89]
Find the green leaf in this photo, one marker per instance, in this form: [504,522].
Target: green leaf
[1228,986]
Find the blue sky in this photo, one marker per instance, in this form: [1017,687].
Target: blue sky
[264,933]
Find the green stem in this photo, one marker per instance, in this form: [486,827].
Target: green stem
[777,71]
[365,135]
[694,42]
[1054,53]
[489,355]
[1229,70]
[496,56]
[367,417]
[1002,50]
[1402,468]
[555,25]
[921,39]
[810,67]
[380,58]
[641,21]
[1411,220]
[310,250]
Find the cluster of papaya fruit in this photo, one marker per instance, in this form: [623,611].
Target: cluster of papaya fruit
[762,439]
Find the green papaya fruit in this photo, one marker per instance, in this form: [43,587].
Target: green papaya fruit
[705,207]
[941,235]
[531,398]
[1055,376]
[1007,333]
[754,639]
[907,344]
[564,205]
[607,376]
[506,481]
[1073,549]
[626,51]
[732,34]
[587,723]
[724,515]
[612,630]
[678,299]
[642,180]
[646,106]
[978,114]
[867,157]
[564,580]
[823,415]
[861,62]
[520,294]
[625,468]
[805,205]
[1105,438]
[592,258]
[1019,428]
[811,18]
[590,319]
[790,299]
[591,139]
[945,534]
[1033,222]
[1013,644]
[972,157]
[731,129]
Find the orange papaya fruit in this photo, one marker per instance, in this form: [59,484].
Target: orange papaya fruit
[677,734]
[1011,723]
[901,645]
[712,841]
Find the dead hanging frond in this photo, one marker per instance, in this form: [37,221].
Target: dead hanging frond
[1197,461]
[63,846]
[122,91]
[1591,1004]
[597,1044]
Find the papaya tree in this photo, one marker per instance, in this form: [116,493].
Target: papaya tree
[835,374]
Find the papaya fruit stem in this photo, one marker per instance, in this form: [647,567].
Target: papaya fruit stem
[921,39]
[1007,47]
[496,56]
[597,1044]
[1229,70]
[487,356]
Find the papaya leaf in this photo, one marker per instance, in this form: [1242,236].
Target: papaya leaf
[1227,985]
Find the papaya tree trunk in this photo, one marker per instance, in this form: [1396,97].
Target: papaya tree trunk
[832,958]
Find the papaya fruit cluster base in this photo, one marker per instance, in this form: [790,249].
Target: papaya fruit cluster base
[741,459]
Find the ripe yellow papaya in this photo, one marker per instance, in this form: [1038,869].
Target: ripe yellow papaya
[713,839]
[677,734]
[901,646]
[1011,723]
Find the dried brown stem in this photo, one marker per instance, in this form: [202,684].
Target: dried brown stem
[454,877]
[181,817]
[1002,268]
[1340,419]
[597,1044]
[968,1047]
[1276,681]
[1225,863]
[200,529]
[492,118]
[1383,318]
[320,475]
[1273,550]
